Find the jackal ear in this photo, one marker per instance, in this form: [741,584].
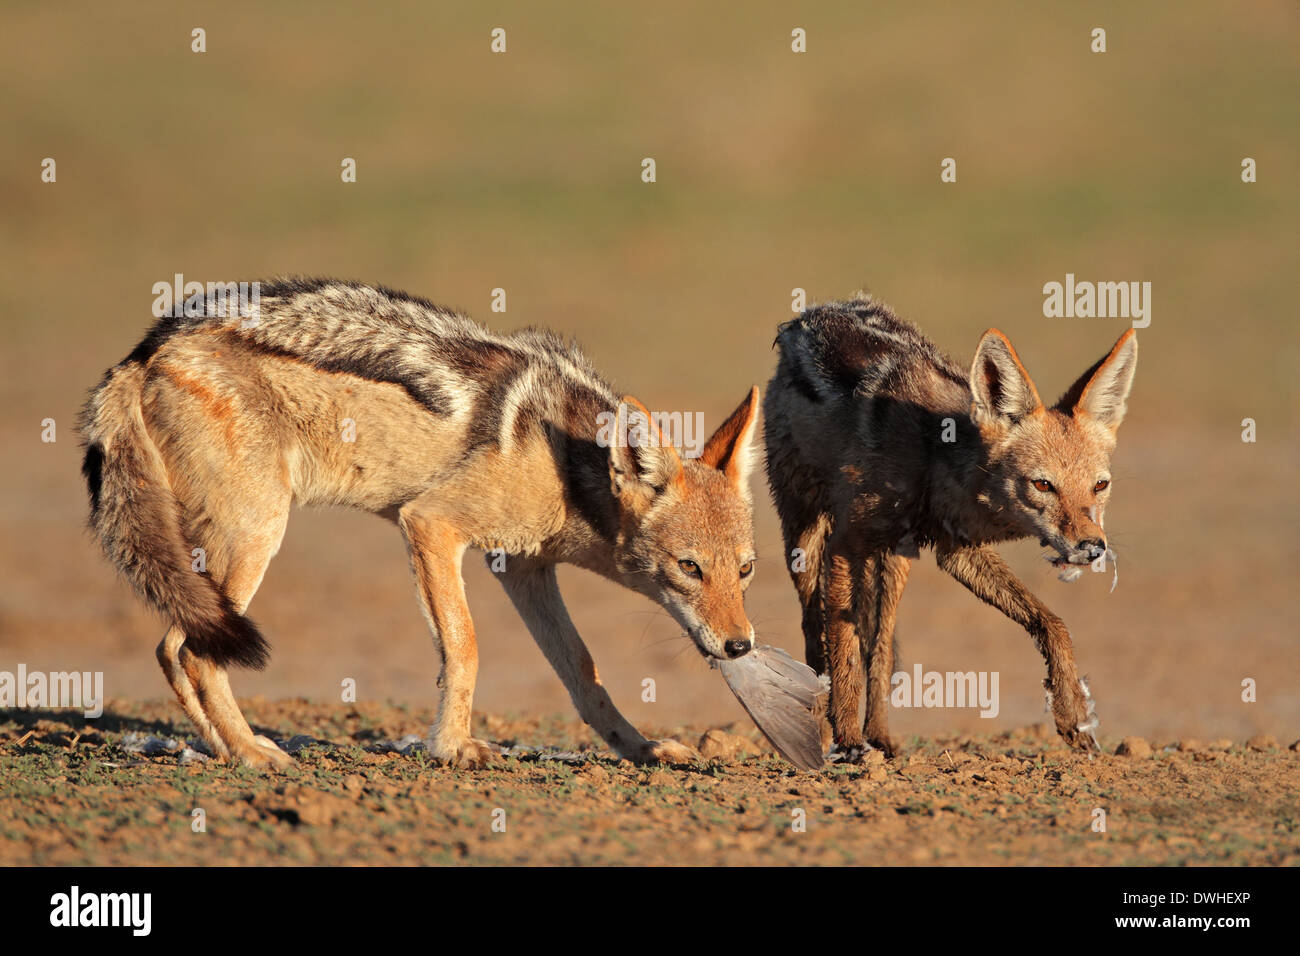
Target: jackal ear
[729,449]
[1101,393]
[639,456]
[1002,389]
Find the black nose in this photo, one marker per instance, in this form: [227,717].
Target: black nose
[1094,546]
[736,647]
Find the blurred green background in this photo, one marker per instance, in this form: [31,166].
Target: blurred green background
[775,170]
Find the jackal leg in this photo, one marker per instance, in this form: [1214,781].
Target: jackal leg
[211,682]
[842,573]
[887,576]
[987,576]
[805,552]
[805,525]
[436,549]
[203,687]
[535,593]
[169,659]
[237,525]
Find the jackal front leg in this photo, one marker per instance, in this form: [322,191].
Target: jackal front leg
[436,550]
[885,576]
[535,592]
[844,575]
[987,576]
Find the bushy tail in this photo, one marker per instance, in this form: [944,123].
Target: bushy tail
[136,518]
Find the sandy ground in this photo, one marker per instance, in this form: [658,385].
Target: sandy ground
[75,796]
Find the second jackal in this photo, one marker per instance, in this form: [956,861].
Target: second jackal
[878,445]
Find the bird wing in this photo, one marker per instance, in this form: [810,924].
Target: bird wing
[781,697]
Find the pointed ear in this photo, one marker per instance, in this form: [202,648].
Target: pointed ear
[1101,393]
[639,457]
[729,448]
[1003,392]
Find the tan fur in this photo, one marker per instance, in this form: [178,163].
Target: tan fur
[209,432]
[878,445]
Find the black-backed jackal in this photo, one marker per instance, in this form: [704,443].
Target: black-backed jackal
[337,393]
[879,445]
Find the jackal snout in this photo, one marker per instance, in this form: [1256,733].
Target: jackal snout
[738,647]
[1085,552]
[711,610]
[1094,548]
[1081,543]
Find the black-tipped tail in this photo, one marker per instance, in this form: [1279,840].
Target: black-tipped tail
[137,520]
[231,638]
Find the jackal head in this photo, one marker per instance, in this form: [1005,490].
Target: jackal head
[1049,468]
[686,539]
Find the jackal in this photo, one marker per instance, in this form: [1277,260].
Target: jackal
[879,445]
[335,393]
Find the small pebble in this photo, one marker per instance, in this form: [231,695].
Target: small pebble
[1134,747]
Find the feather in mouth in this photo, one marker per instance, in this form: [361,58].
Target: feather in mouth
[1071,566]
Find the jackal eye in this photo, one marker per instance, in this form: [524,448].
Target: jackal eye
[747,569]
[690,568]
[1101,486]
[1042,484]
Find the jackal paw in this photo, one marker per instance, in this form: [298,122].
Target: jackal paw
[263,754]
[847,753]
[884,743]
[1077,720]
[467,754]
[1081,738]
[856,753]
[213,745]
[667,752]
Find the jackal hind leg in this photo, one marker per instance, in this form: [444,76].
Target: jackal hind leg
[233,492]
[436,549]
[238,536]
[169,659]
[211,682]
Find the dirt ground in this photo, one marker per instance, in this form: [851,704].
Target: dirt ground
[72,795]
